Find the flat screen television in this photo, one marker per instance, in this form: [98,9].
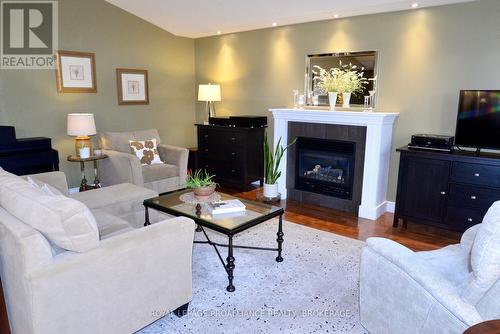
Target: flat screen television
[478,122]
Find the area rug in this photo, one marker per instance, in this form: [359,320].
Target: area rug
[314,290]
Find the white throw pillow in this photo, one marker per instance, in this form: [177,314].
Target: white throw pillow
[146,151]
[64,221]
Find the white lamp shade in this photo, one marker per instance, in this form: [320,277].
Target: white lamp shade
[209,93]
[81,125]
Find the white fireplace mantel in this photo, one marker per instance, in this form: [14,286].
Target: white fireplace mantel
[379,127]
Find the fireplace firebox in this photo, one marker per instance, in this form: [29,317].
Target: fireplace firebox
[325,166]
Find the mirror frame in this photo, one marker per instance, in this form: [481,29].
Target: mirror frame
[308,77]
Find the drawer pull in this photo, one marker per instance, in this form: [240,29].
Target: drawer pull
[233,153]
[469,220]
[206,166]
[205,136]
[476,174]
[206,150]
[473,197]
[233,170]
[443,192]
[233,138]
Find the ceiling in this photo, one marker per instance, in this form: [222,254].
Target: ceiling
[200,18]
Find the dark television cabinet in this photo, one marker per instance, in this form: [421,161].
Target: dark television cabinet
[447,190]
[235,155]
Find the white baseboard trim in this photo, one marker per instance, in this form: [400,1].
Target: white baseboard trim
[390,206]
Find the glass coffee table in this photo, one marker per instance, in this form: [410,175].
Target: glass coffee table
[227,224]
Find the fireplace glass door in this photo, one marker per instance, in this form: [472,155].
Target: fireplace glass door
[325,166]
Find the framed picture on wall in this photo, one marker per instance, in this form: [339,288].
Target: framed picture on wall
[132,86]
[75,72]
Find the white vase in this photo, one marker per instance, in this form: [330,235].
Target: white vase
[346,98]
[270,190]
[332,97]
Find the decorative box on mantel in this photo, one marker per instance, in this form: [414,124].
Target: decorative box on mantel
[377,151]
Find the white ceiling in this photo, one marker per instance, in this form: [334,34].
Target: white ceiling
[199,18]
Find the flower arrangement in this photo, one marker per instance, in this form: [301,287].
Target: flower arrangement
[342,79]
[352,81]
[328,80]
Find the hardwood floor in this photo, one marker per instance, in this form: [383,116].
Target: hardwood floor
[415,236]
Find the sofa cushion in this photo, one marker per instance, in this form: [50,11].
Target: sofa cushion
[146,151]
[485,257]
[159,172]
[64,221]
[451,262]
[119,200]
[46,188]
[146,135]
[110,225]
[118,141]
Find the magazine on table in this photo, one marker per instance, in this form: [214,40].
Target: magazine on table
[229,206]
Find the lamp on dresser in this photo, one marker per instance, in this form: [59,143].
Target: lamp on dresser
[82,126]
[209,94]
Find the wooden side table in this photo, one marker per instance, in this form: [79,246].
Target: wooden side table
[84,185]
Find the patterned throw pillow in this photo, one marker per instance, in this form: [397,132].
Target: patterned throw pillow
[146,151]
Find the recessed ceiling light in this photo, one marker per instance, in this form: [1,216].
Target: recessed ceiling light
[414,5]
[219,32]
[274,24]
[336,16]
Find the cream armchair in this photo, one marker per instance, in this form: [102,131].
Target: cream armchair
[442,291]
[122,166]
[131,279]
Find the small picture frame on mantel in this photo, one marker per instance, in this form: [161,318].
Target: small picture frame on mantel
[132,86]
[75,72]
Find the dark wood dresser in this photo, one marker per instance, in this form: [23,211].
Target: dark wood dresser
[448,190]
[234,154]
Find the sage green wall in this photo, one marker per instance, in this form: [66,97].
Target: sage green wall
[426,57]
[29,101]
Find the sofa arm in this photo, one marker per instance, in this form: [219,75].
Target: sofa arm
[54,179]
[119,168]
[431,282]
[127,282]
[177,156]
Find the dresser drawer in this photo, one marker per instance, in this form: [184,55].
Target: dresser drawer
[487,175]
[472,197]
[229,155]
[460,219]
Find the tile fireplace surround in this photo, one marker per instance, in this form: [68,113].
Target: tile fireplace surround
[379,126]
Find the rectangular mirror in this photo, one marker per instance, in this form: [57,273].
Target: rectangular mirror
[362,59]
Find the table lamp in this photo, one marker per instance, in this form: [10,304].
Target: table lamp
[210,94]
[82,126]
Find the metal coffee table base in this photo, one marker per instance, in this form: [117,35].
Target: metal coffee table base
[229,263]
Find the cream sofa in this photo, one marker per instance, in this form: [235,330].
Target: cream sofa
[441,292]
[132,277]
[122,166]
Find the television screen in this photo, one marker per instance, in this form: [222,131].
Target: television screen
[478,123]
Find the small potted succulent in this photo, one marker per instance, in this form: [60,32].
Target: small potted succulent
[202,183]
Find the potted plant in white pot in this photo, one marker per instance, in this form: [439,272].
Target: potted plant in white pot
[272,159]
[351,82]
[328,81]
